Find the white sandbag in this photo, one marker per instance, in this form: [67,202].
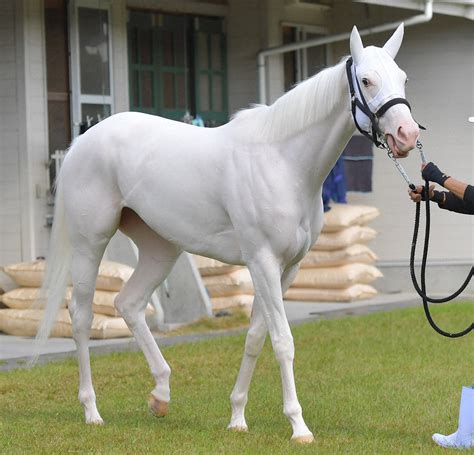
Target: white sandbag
[349,294]
[112,275]
[24,298]
[27,298]
[342,239]
[209,267]
[233,283]
[336,277]
[220,303]
[104,303]
[27,322]
[342,216]
[27,274]
[354,253]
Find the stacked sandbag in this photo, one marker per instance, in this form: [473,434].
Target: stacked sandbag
[26,323]
[25,310]
[2,291]
[229,286]
[339,266]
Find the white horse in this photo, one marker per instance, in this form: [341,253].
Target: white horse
[247,193]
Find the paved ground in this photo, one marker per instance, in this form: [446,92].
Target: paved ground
[14,351]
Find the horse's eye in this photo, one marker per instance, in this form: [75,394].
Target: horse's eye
[365,81]
[406,81]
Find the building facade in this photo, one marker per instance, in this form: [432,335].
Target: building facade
[65,65]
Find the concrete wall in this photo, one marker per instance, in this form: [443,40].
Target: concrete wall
[23,129]
[10,213]
[242,48]
[119,56]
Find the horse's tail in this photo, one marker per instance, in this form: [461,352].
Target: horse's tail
[57,272]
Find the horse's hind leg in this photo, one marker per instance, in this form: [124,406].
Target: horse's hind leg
[90,228]
[85,264]
[156,259]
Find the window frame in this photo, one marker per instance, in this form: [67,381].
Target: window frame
[77,97]
[301,55]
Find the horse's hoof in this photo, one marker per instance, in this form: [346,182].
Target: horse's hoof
[97,422]
[305,439]
[157,407]
[238,429]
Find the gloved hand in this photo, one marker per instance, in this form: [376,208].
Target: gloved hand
[432,173]
[419,194]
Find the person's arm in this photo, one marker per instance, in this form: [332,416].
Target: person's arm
[456,187]
[460,197]
[454,204]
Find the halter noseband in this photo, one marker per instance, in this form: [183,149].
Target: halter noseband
[361,103]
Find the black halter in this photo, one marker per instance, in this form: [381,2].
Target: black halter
[375,134]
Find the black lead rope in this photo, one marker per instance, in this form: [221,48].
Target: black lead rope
[376,137]
[422,292]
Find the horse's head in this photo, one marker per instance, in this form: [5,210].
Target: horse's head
[381,80]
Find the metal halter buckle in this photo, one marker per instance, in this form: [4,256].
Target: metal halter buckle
[419,146]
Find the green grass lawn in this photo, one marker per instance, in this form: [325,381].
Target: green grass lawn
[381,383]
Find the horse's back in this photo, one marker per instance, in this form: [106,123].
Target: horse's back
[131,145]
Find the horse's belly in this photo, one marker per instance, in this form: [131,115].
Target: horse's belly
[188,221]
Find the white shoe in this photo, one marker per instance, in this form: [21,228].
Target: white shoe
[464,437]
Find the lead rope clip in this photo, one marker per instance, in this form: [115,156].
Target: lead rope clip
[419,146]
[400,168]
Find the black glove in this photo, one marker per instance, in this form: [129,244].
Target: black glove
[438,197]
[433,174]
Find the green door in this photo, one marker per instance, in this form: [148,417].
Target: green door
[177,63]
[210,69]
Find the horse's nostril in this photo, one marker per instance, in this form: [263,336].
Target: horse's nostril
[401,133]
[406,135]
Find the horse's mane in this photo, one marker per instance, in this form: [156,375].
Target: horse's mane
[306,103]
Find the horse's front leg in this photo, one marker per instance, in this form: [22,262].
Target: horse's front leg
[253,346]
[266,273]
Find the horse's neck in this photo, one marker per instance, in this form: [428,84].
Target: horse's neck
[315,150]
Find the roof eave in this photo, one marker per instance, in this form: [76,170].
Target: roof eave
[461,8]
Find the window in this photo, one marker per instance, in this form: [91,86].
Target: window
[210,77]
[302,63]
[90,63]
[177,64]
[57,78]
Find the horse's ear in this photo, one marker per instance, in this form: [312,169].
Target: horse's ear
[394,42]
[356,45]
